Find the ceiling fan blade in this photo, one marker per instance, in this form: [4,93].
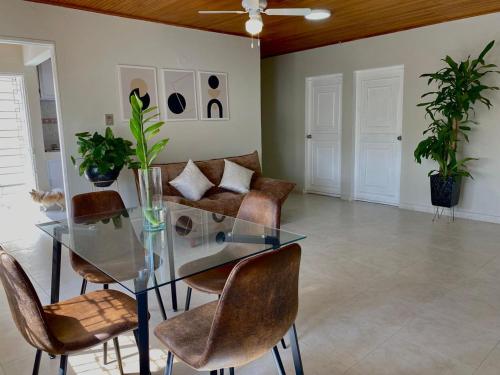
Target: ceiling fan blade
[288,12]
[221,12]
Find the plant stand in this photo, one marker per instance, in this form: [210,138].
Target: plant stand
[439,211]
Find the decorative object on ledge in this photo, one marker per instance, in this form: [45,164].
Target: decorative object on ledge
[460,85]
[144,125]
[103,157]
[214,101]
[179,87]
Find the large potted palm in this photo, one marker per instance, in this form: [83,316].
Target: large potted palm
[459,86]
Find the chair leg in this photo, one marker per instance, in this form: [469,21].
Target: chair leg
[231,370]
[116,344]
[160,300]
[105,350]
[294,343]
[170,364]
[188,298]
[84,287]
[36,365]
[277,360]
[105,345]
[63,365]
[136,336]
[283,343]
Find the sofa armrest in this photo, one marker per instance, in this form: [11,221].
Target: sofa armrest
[277,188]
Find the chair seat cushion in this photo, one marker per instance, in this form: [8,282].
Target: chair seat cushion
[121,269]
[84,321]
[186,335]
[211,281]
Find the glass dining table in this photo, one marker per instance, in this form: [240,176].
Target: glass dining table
[141,261]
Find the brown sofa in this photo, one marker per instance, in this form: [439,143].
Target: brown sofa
[217,199]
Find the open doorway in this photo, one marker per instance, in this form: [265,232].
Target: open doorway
[30,152]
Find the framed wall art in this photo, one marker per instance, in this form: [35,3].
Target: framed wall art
[179,87]
[140,80]
[214,98]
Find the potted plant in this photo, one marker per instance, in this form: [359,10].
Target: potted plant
[103,156]
[460,86]
[144,125]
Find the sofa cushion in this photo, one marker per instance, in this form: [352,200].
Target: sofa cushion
[226,203]
[192,183]
[236,178]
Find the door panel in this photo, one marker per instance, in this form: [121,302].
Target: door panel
[323,126]
[378,125]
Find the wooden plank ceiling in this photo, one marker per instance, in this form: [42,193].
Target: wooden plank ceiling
[352,19]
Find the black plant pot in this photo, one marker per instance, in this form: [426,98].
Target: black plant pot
[101,179]
[445,191]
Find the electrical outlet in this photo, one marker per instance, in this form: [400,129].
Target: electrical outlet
[109,119]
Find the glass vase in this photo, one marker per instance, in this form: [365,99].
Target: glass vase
[151,194]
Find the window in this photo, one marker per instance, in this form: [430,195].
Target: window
[16,166]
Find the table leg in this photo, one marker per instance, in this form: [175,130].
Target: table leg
[173,290]
[297,360]
[56,271]
[143,333]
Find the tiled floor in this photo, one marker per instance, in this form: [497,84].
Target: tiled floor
[383,291]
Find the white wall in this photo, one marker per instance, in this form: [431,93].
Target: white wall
[88,47]
[11,61]
[420,51]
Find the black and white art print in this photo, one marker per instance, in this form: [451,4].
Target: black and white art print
[180,95]
[140,80]
[214,101]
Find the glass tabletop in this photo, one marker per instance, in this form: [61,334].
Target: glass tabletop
[192,242]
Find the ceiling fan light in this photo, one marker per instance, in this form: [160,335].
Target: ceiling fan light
[318,14]
[254,25]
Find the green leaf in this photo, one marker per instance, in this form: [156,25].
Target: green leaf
[155,150]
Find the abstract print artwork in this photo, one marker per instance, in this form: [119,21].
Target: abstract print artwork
[180,95]
[137,80]
[214,102]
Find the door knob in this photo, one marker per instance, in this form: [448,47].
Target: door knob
[399,138]
[309,136]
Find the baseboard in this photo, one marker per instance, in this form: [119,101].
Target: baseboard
[336,195]
[463,214]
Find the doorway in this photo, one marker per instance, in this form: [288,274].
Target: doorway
[378,138]
[323,134]
[30,152]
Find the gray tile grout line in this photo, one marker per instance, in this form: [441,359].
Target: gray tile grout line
[486,357]
[379,345]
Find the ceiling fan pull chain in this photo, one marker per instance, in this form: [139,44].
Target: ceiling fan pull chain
[252,41]
[258,40]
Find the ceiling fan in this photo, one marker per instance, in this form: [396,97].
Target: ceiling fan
[255,9]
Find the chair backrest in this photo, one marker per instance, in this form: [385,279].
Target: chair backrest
[95,203]
[259,207]
[25,306]
[257,307]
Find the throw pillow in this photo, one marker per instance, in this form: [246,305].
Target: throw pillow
[236,178]
[191,183]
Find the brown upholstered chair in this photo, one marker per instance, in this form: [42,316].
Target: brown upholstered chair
[94,206]
[257,207]
[69,326]
[257,307]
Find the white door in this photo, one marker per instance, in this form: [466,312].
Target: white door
[379,104]
[323,134]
